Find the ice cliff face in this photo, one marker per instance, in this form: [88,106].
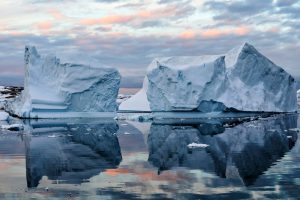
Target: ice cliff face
[243,79]
[54,87]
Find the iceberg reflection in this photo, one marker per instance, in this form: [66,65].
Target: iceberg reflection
[70,153]
[241,152]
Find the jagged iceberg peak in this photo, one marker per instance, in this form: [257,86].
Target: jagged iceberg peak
[30,55]
[53,88]
[242,79]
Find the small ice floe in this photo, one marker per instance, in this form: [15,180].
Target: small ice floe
[69,135]
[124,124]
[88,129]
[226,125]
[272,130]
[13,127]
[52,136]
[74,129]
[127,133]
[197,145]
[134,117]
[294,129]
[289,136]
[251,126]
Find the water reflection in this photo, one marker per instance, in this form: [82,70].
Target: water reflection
[70,153]
[240,153]
[93,159]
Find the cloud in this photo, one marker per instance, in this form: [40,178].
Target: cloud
[173,11]
[240,6]
[44,25]
[284,3]
[128,35]
[189,34]
[214,33]
[111,19]
[172,1]
[107,1]
[57,14]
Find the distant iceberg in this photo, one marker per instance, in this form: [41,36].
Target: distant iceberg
[241,80]
[53,89]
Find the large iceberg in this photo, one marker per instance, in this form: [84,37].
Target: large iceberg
[55,89]
[241,80]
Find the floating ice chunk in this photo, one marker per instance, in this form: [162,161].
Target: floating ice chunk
[13,127]
[294,129]
[197,145]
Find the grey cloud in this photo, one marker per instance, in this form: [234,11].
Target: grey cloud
[172,1]
[284,3]
[237,10]
[292,11]
[108,1]
[154,23]
[131,55]
[240,6]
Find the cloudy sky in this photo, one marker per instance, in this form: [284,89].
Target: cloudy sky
[129,34]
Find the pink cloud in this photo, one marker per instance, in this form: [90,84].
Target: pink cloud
[111,19]
[241,30]
[56,14]
[44,26]
[214,33]
[189,34]
[154,14]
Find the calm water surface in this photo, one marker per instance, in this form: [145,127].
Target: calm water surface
[92,159]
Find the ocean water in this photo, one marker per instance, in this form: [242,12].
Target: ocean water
[105,159]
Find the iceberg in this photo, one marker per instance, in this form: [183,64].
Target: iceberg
[241,80]
[55,89]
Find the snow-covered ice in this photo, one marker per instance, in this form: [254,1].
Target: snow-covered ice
[3,116]
[52,87]
[137,102]
[197,145]
[243,79]
[13,127]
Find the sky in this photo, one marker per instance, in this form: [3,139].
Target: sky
[128,34]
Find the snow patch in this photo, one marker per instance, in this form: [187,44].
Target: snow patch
[13,127]
[3,116]
[197,145]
